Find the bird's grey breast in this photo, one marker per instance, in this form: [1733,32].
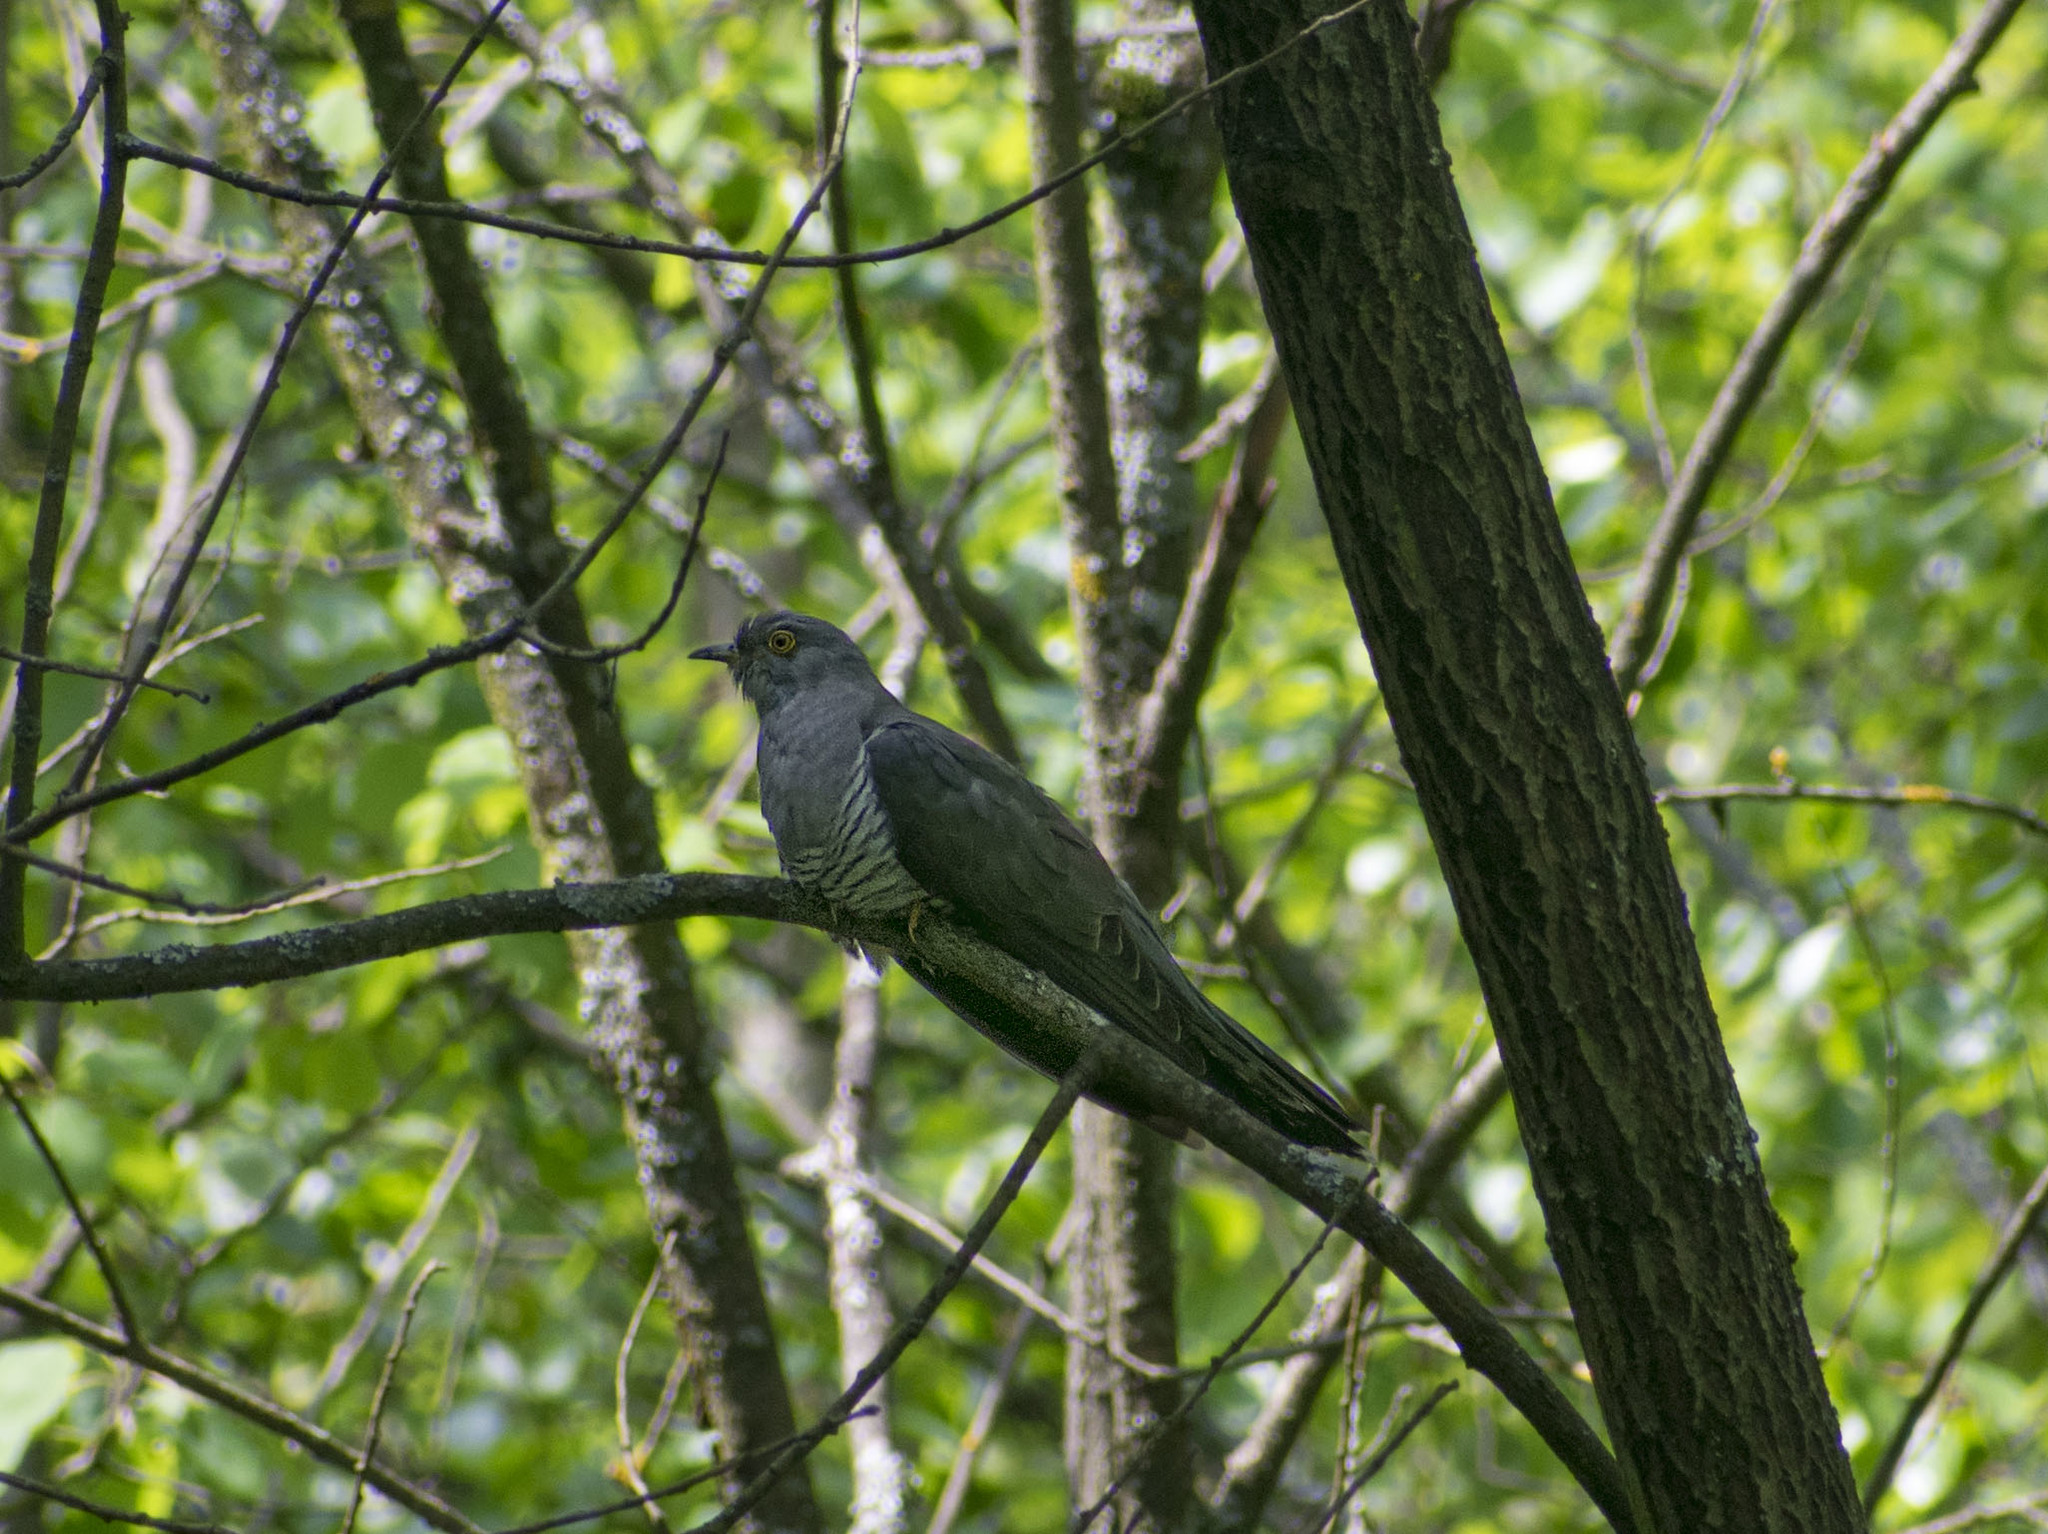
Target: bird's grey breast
[831,832]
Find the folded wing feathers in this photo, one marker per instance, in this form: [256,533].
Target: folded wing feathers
[975,832]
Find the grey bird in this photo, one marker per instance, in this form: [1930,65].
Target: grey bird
[883,812]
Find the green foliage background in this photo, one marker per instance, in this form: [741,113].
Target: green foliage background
[1885,621]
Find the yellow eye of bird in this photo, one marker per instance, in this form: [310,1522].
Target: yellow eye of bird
[782,641]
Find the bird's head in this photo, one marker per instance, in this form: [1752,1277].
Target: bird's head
[780,654]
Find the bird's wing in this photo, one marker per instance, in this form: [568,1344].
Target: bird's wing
[975,832]
[988,841]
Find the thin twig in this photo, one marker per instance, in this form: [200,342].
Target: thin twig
[143,149]
[145,650]
[1888,1148]
[440,658]
[1252,1469]
[912,1325]
[1724,104]
[383,1391]
[168,898]
[1165,717]
[27,349]
[622,1416]
[409,1244]
[1819,254]
[1377,1462]
[803,1169]
[315,1440]
[37,604]
[2017,1229]
[467,1304]
[1622,48]
[164,661]
[65,134]
[200,1258]
[1904,796]
[1334,771]
[102,1511]
[319,891]
[601,654]
[672,1489]
[2027,1507]
[1816,418]
[961,1475]
[728,347]
[1156,1431]
[975,55]
[98,673]
[105,1264]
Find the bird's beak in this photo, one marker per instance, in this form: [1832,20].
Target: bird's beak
[723,653]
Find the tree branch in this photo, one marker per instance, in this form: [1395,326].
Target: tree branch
[1019,1009]
[314,1439]
[1905,795]
[37,602]
[2011,1240]
[102,68]
[1819,255]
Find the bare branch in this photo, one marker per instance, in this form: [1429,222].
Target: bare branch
[672,1489]
[631,1460]
[314,1439]
[26,349]
[2010,1241]
[961,1476]
[102,1511]
[144,650]
[100,673]
[143,149]
[102,67]
[1252,1469]
[1622,48]
[170,898]
[1888,1146]
[39,582]
[1076,1081]
[994,994]
[408,1247]
[1820,253]
[1646,234]
[383,1392]
[1378,1459]
[108,1274]
[1166,715]
[1904,796]
[316,891]
[1206,1377]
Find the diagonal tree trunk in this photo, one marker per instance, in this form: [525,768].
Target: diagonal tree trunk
[588,812]
[1678,1269]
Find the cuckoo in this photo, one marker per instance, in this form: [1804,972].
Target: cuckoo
[885,813]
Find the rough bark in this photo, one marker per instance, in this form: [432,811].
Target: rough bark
[1122,374]
[589,814]
[1678,1269]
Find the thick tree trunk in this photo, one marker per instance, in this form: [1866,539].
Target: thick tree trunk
[1495,677]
